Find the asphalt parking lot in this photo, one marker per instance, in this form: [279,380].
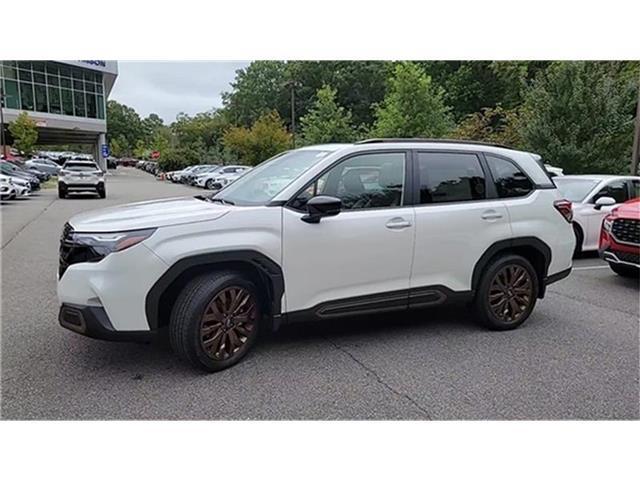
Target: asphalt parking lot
[577,357]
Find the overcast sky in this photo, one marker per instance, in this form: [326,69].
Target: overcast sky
[168,88]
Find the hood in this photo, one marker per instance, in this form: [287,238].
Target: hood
[155,213]
[629,209]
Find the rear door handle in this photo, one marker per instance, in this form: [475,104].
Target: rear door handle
[398,223]
[491,215]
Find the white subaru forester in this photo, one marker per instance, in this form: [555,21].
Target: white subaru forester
[324,231]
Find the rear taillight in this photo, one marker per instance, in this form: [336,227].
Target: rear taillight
[565,208]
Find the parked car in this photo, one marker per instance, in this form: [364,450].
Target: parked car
[177,176]
[620,239]
[221,177]
[44,165]
[593,197]
[10,169]
[36,172]
[7,190]
[320,232]
[112,163]
[188,175]
[18,186]
[81,176]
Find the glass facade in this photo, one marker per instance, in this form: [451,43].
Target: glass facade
[51,87]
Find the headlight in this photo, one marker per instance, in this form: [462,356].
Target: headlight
[607,223]
[103,244]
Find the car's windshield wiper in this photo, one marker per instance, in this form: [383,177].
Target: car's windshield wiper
[212,199]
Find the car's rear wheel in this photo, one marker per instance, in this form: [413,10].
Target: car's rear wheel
[577,231]
[215,320]
[625,270]
[507,293]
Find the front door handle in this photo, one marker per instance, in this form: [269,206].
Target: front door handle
[491,215]
[398,223]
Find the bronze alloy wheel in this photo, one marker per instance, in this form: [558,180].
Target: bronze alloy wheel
[511,293]
[228,322]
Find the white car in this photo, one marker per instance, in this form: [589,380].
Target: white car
[7,190]
[81,176]
[554,171]
[221,177]
[19,186]
[324,231]
[593,197]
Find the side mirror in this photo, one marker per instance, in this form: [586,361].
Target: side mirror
[604,202]
[322,206]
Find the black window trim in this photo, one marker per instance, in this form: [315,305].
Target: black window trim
[490,189]
[407,197]
[534,185]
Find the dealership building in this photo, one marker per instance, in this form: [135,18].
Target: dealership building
[66,99]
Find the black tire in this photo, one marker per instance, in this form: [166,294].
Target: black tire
[483,308]
[209,184]
[62,192]
[625,270]
[577,231]
[102,192]
[188,318]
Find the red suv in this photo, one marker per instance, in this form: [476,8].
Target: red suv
[620,239]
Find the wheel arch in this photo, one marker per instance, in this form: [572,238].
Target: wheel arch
[263,271]
[531,248]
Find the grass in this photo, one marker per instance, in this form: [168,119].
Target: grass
[51,183]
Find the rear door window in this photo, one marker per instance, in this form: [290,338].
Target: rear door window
[450,177]
[510,181]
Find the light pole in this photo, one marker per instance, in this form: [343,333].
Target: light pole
[2,137]
[636,138]
[292,84]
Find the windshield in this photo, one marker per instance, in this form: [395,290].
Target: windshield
[575,189]
[80,167]
[264,182]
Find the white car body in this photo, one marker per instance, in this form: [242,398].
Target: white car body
[587,216]
[360,260]
[21,187]
[7,190]
[222,176]
[81,176]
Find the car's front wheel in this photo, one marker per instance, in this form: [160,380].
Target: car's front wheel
[209,184]
[215,320]
[62,192]
[102,191]
[625,270]
[507,293]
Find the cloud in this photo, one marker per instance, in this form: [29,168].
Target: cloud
[168,88]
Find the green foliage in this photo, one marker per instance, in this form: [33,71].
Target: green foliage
[266,137]
[125,125]
[24,132]
[495,125]
[327,122]
[412,107]
[579,116]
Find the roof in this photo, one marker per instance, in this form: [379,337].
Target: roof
[593,177]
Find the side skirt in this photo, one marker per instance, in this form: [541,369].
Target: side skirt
[397,301]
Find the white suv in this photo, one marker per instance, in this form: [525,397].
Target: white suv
[320,232]
[81,176]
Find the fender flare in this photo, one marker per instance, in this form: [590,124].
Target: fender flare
[265,265]
[503,245]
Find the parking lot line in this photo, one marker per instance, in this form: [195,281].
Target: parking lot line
[594,267]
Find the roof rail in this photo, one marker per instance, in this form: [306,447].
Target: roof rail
[430,140]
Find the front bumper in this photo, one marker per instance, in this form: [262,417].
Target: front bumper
[94,322]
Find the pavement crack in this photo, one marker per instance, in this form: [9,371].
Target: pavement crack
[27,224]
[379,379]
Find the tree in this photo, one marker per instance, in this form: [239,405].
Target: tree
[266,137]
[124,124]
[578,115]
[327,122]
[258,89]
[494,125]
[24,132]
[412,107]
